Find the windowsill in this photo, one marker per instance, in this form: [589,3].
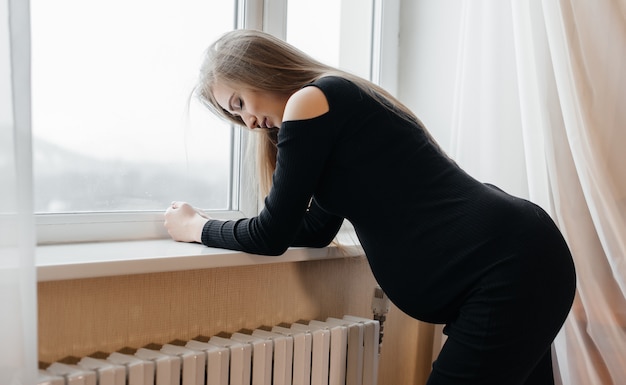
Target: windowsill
[100,259]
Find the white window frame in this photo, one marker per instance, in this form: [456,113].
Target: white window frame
[269,15]
[136,225]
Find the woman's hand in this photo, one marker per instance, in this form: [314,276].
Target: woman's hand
[184,223]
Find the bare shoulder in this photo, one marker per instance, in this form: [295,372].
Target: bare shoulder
[306,103]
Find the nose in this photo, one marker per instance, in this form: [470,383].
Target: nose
[249,120]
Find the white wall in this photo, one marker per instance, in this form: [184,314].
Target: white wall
[429,34]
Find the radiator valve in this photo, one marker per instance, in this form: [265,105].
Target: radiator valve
[380,308]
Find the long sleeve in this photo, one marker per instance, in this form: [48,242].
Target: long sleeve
[318,227]
[303,149]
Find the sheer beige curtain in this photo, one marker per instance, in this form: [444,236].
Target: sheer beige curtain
[540,108]
[588,180]
[18,301]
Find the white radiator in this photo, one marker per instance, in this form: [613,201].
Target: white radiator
[332,352]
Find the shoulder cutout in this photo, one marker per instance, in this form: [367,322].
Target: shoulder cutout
[307,103]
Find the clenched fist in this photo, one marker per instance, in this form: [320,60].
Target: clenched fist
[184,223]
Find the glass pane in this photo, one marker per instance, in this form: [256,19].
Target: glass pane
[112,128]
[338,33]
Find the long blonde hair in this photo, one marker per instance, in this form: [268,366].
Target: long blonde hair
[256,60]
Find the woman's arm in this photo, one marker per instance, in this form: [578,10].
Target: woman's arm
[304,144]
[318,228]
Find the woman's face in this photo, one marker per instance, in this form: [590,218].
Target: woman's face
[256,108]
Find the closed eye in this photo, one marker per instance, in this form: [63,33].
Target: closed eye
[235,103]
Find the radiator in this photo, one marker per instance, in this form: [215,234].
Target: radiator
[337,351]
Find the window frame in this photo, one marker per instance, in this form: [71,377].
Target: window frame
[53,228]
[268,15]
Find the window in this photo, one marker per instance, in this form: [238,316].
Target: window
[113,134]
[113,142]
[110,88]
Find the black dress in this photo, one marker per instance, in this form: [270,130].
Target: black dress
[437,240]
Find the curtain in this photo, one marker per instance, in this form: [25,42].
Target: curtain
[540,109]
[18,318]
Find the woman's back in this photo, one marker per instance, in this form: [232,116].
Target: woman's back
[426,226]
